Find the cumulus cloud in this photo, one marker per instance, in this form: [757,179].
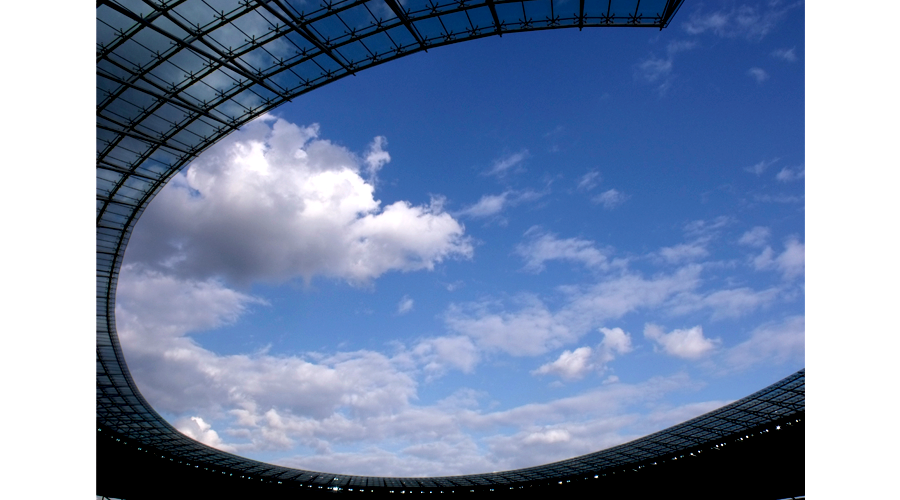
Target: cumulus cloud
[541,247]
[198,430]
[610,198]
[376,157]
[272,202]
[439,354]
[756,237]
[573,365]
[758,74]
[788,174]
[313,405]
[687,344]
[570,365]
[791,262]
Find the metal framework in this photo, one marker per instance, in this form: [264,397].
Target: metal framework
[175,76]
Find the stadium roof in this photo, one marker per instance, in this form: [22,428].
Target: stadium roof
[174,77]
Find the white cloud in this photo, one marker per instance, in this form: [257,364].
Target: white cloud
[198,430]
[542,247]
[574,365]
[615,341]
[684,252]
[487,206]
[529,331]
[610,199]
[570,365]
[439,354]
[656,71]
[760,167]
[756,237]
[791,262]
[772,343]
[788,174]
[777,198]
[743,21]
[726,303]
[785,54]
[534,329]
[676,46]
[504,165]
[272,202]
[589,181]
[376,157]
[688,344]
[405,305]
[758,74]
[493,205]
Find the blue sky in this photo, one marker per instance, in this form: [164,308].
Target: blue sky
[492,255]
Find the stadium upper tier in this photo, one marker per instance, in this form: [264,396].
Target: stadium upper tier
[174,77]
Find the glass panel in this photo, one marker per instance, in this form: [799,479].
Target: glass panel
[457,23]
[482,18]
[510,13]
[651,9]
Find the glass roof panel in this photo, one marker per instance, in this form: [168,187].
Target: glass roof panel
[651,9]
[538,12]
[194,14]
[482,18]
[456,22]
[510,13]
[402,37]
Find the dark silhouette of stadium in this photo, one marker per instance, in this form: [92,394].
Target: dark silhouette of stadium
[175,76]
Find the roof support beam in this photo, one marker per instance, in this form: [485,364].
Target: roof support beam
[304,32]
[490,4]
[398,11]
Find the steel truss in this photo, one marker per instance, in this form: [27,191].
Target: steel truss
[176,76]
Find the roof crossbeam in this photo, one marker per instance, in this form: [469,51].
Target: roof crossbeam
[221,59]
[303,31]
[398,11]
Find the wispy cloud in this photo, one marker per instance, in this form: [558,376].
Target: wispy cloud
[758,74]
[658,70]
[788,174]
[492,205]
[791,262]
[405,305]
[489,205]
[589,181]
[760,168]
[541,247]
[508,163]
[741,21]
[610,198]
[756,237]
[788,55]
[772,343]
